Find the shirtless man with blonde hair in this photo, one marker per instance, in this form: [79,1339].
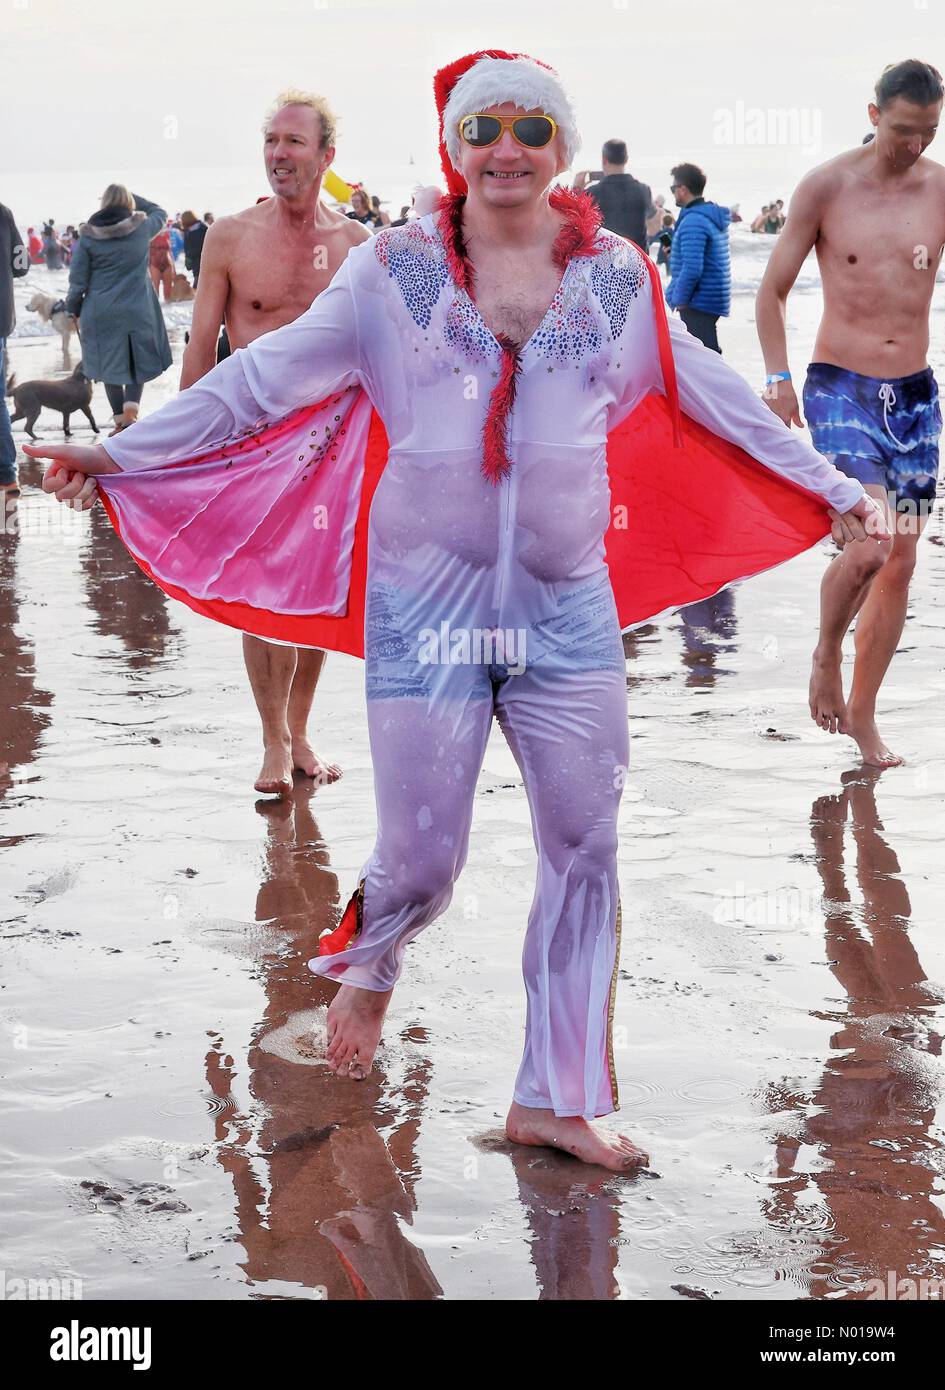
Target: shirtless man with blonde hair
[261,269]
[876,217]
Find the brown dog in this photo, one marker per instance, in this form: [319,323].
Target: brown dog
[75,393]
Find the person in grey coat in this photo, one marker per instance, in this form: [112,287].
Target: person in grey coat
[14,262]
[124,340]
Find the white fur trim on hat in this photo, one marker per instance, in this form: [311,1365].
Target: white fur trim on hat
[492,81]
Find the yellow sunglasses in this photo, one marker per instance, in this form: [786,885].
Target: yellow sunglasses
[480,131]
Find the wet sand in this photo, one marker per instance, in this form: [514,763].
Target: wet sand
[168,1129]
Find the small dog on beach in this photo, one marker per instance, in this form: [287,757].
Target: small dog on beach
[53,311]
[75,393]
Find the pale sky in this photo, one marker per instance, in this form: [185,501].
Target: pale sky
[122,83]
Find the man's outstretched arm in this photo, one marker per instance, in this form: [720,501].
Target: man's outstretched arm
[279,372]
[713,393]
[790,250]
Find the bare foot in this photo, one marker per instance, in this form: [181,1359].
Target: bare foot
[862,728]
[275,776]
[826,691]
[575,1136]
[355,1020]
[307,760]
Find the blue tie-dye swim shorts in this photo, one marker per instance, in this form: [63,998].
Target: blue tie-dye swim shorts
[880,432]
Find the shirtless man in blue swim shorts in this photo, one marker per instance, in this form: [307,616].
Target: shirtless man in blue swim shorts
[876,217]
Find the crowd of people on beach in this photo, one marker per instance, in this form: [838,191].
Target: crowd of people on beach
[181,235]
[184,232]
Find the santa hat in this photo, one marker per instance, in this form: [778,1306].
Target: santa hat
[488,79]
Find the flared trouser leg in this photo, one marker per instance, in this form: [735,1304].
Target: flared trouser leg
[427,756]
[568,731]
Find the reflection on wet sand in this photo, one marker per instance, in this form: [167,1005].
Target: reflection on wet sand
[23,706]
[126,604]
[872,1198]
[324,1170]
[634,644]
[709,630]
[573,1219]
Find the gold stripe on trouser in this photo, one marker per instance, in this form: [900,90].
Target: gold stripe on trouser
[358,914]
[610,1015]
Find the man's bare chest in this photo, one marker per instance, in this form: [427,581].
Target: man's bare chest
[887,242]
[513,300]
[270,279]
